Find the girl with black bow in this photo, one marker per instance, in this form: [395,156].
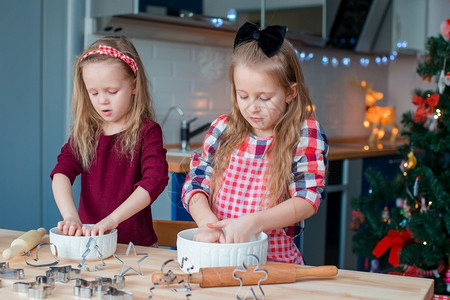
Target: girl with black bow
[263,165]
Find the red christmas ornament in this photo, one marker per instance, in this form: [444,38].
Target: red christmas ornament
[394,240]
[422,104]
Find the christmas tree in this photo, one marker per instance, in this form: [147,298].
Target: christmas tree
[405,221]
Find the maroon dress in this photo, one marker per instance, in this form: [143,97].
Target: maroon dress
[112,178]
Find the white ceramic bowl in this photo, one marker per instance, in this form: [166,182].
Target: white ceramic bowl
[202,255]
[73,247]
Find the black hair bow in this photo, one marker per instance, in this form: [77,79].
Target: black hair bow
[269,39]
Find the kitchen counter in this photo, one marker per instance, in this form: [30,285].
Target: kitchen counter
[346,285]
[339,149]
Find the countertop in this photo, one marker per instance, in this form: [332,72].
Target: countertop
[347,148]
[346,285]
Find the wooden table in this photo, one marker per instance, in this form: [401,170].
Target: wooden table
[346,285]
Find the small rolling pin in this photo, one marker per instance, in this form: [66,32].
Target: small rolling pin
[277,273]
[24,243]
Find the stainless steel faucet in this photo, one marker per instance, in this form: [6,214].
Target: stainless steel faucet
[179,110]
[186,134]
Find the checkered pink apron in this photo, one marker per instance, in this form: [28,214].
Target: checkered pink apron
[241,193]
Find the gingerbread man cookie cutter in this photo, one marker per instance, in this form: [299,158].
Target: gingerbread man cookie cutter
[243,268]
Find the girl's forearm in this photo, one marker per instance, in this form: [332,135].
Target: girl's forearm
[62,192]
[286,213]
[200,210]
[136,202]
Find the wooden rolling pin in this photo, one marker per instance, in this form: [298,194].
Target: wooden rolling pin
[277,273]
[24,243]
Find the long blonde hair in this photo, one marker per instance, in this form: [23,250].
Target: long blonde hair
[87,123]
[284,67]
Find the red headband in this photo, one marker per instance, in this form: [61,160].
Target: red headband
[110,51]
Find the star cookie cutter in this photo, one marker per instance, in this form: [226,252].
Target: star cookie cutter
[244,269]
[54,253]
[63,274]
[83,265]
[113,293]
[41,288]
[6,272]
[130,268]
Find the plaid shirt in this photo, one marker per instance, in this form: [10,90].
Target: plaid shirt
[243,184]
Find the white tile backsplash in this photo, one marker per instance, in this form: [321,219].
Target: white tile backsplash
[195,78]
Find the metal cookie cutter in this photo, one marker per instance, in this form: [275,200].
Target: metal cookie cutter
[85,254]
[85,288]
[103,283]
[171,278]
[63,274]
[6,272]
[243,268]
[55,256]
[41,288]
[144,256]
[113,293]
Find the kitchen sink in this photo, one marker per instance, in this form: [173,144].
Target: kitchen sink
[179,152]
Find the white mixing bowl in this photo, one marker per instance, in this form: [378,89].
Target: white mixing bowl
[73,247]
[202,255]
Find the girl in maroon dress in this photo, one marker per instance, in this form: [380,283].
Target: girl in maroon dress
[116,146]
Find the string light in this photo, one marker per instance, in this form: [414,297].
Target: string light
[231,15]
[334,62]
[346,61]
[438,114]
[217,22]
[402,44]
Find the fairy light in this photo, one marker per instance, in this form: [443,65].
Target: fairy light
[231,15]
[217,22]
[429,203]
[346,61]
[438,114]
[364,61]
[366,147]
[334,62]
[401,44]
[425,243]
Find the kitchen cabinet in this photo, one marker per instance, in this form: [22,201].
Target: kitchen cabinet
[411,21]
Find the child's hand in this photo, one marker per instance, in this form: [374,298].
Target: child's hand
[100,228]
[238,230]
[208,235]
[71,226]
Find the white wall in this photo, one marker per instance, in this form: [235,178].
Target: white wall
[195,78]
